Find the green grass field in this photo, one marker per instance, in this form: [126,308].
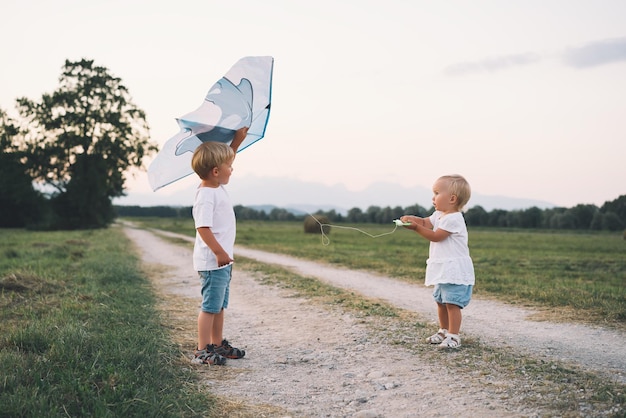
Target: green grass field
[80,335]
[581,275]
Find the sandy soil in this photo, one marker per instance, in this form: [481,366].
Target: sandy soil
[325,362]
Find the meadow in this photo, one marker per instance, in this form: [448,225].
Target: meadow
[572,275]
[80,334]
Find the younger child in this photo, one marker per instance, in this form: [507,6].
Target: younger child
[214,219]
[449,266]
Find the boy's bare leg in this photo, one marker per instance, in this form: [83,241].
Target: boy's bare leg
[205,327]
[217,329]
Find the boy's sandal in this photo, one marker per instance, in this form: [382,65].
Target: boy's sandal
[228,351]
[438,337]
[451,341]
[208,357]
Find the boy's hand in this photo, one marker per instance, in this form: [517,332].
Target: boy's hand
[223,259]
[242,132]
[240,135]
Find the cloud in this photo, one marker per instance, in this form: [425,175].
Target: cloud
[597,53]
[593,54]
[489,65]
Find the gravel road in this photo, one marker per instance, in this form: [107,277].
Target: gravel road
[329,363]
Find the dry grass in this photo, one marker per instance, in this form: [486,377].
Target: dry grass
[21,282]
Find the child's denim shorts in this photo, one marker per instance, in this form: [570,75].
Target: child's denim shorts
[456,294]
[215,289]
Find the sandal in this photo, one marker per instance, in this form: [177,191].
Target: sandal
[228,351]
[438,337]
[208,356]
[451,341]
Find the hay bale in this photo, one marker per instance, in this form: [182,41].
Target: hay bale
[317,224]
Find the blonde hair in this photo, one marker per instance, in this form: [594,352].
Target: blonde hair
[459,187]
[209,155]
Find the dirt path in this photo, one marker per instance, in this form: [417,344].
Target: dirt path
[327,363]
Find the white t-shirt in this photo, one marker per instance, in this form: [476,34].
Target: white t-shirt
[449,260]
[212,208]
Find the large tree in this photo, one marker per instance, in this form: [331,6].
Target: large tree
[20,203]
[82,139]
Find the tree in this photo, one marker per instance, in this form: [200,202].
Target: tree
[476,216]
[355,215]
[530,218]
[612,222]
[584,215]
[617,206]
[20,203]
[418,210]
[372,214]
[81,140]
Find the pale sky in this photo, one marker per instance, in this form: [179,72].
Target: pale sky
[526,99]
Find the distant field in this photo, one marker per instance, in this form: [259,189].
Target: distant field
[581,276]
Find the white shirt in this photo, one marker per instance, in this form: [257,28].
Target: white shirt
[212,208]
[449,260]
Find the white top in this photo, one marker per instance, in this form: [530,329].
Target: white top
[212,208]
[449,260]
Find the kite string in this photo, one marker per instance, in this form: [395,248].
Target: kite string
[326,239]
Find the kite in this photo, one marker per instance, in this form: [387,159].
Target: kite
[241,98]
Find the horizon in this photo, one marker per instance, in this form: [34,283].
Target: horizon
[295,194]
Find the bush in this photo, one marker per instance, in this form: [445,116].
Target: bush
[316,225]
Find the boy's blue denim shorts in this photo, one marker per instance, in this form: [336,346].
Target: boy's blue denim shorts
[215,289]
[455,294]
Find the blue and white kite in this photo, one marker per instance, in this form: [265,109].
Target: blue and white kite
[241,98]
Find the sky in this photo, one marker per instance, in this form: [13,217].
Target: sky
[526,99]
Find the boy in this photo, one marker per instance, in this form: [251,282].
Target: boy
[214,220]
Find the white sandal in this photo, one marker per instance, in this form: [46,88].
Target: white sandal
[451,341]
[438,337]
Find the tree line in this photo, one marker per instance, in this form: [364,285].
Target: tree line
[611,216]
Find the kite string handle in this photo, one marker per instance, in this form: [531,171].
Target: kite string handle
[326,239]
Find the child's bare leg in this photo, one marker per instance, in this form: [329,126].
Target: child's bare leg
[218,328]
[205,327]
[454,316]
[442,313]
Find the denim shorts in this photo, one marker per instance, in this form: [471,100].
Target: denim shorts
[215,289]
[455,294]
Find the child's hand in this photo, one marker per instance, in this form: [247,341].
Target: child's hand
[413,220]
[223,259]
[241,133]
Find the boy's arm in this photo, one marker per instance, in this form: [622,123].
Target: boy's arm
[240,135]
[207,236]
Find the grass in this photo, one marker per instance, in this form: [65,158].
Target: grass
[574,276]
[79,332]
